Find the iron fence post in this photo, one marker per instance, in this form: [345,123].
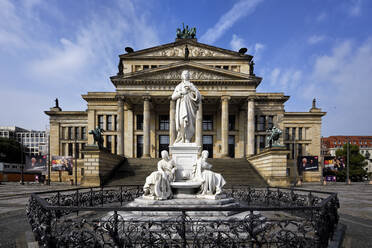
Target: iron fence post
[121,195]
[91,197]
[184,229]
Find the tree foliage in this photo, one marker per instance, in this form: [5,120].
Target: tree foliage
[10,151]
[356,160]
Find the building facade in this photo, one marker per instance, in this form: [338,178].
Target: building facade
[138,117]
[34,142]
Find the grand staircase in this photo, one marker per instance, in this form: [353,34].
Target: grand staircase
[235,171]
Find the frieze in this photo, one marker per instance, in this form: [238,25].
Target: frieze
[194,75]
[194,51]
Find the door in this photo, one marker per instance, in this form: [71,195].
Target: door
[139,146]
[163,143]
[208,144]
[231,146]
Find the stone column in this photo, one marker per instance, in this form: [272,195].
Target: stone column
[250,128]
[225,126]
[121,126]
[199,126]
[146,127]
[172,122]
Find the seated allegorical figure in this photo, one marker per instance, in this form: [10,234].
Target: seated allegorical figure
[157,184]
[212,183]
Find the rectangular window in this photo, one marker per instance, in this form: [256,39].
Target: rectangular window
[293,133]
[82,148]
[69,133]
[286,133]
[300,133]
[83,133]
[207,122]
[299,150]
[115,122]
[77,150]
[262,141]
[70,153]
[261,123]
[270,121]
[109,142]
[100,121]
[146,67]
[226,67]
[163,122]
[116,144]
[231,122]
[109,122]
[139,122]
[137,68]
[153,66]
[77,132]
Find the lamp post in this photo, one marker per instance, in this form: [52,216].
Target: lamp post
[22,166]
[347,161]
[76,154]
[48,157]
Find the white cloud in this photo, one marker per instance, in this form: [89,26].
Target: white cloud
[314,39]
[256,50]
[355,8]
[321,17]
[227,20]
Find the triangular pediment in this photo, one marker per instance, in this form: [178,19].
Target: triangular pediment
[177,49]
[197,72]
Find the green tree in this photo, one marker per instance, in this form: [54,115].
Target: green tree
[10,151]
[356,160]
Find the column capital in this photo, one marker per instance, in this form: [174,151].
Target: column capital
[146,98]
[120,98]
[225,98]
[251,98]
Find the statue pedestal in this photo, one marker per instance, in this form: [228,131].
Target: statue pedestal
[185,156]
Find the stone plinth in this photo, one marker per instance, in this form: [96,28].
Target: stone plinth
[271,163]
[98,163]
[185,156]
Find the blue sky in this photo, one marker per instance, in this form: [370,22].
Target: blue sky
[304,48]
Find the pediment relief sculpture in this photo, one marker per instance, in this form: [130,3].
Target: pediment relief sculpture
[194,51]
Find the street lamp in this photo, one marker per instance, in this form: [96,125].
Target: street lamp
[76,154]
[22,166]
[348,161]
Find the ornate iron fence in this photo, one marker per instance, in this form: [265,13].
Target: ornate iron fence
[98,217]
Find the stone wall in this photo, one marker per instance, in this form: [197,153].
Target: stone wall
[272,165]
[98,164]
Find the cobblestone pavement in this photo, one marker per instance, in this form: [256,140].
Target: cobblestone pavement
[355,211]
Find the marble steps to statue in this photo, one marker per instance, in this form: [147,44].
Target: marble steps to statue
[235,171]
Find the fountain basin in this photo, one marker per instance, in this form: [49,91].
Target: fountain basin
[188,188]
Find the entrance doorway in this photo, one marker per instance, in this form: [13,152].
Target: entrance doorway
[208,144]
[163,143]
[139,146]
[231,146]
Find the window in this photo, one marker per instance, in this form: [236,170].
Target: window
[109,122]
[69,133]
[300,133]
[270,121]
[145,67]
[115,122]
[207,122]
[262,141]
[287,133]
[77,134]
[163,144]
[109,142]
[100,121]
[261,123]
[299,149]
[293,133]
[137,68]
[231,122]
[116,144]
[70,149]
[139,122]
[77,150]
[163,122]
[83,133]
[153,66]
[226,67]
[82,148]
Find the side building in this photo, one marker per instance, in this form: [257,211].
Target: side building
[232,121]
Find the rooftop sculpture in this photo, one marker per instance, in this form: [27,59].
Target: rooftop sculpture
[186,33]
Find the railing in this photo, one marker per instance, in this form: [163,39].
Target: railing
[266,217]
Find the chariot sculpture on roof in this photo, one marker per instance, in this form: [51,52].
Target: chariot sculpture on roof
[186,33]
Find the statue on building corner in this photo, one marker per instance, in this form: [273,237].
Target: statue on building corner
[251,67]
[187,52]
[120,68]
[187,98]
[57,104]
[97,136]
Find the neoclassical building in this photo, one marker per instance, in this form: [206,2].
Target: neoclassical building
[138,115]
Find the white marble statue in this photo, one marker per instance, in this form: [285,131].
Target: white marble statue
[212,183]
[187,99]
[157,185]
